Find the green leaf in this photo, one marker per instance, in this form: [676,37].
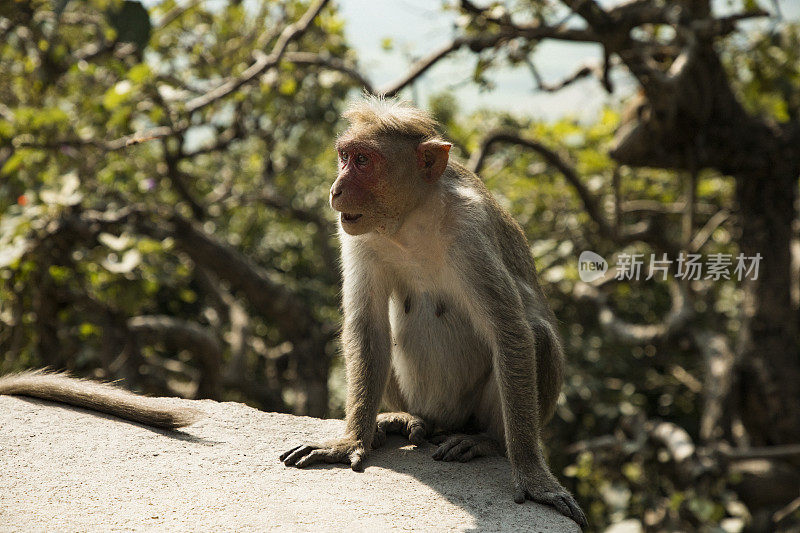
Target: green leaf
[188,295]
[13,163]
[140,73]
[288,87]
[59,273]
[117,95]
[86,330]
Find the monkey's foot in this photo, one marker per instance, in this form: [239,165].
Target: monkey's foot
[549,492]
[465,447]
[404,424]
[347,451]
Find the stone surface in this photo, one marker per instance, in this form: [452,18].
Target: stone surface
[67,469]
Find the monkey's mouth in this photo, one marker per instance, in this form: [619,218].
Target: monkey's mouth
[350,217]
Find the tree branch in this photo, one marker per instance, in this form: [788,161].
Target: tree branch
[718,361]
[330,63]
[180,185]
[275,301]
[270,297]
[26,141]
[583,72]
[702,236]
[178,334]
[678,317]
[483,42]
[290,33]
[590,203]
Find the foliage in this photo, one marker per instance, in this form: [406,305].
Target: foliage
[76,80]
[766,66]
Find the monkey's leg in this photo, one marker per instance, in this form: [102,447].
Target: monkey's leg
[404,424]
[463,448]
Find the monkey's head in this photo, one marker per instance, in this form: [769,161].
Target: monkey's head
[389,160]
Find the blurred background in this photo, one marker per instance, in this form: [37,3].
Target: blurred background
[164,175]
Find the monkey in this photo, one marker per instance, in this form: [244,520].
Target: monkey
[96,396]
[445,323]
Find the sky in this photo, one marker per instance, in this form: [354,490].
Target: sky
[418,26]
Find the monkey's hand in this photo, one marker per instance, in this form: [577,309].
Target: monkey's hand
[347,450]
[404,424]
[539,485]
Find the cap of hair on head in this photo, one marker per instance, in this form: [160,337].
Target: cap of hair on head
[378,114]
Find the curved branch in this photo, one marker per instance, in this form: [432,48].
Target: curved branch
[274,300]
[706,231]
[676,320]
[421,66]
[270,297]
[583,72]
[648,231]
[290,33]
[25,140]
[483,42]
[178,334]
[330,63]
[560,163]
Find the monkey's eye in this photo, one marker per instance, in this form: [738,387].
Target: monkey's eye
[361,160]
[344,156]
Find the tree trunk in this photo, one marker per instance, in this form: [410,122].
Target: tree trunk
[701,124]
[768,372]
[313,370]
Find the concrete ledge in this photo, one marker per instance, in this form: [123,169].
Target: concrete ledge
[66,469]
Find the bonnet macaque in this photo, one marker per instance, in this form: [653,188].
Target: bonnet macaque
[444,319]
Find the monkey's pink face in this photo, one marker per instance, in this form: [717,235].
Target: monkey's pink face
[360,191]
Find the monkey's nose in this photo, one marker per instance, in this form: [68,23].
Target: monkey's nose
[335,193]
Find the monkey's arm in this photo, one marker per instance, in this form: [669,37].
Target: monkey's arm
[101,397]
[366,341]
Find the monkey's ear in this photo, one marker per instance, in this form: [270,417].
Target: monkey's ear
[432,158]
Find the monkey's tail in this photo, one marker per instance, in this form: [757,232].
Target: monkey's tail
[101,397]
